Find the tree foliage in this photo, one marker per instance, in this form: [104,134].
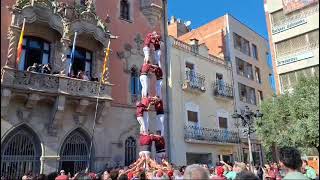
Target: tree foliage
[292,119]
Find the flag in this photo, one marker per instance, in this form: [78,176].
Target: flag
[105,63]
[19,50]
[72,53]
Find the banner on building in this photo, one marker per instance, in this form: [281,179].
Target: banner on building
[293,5]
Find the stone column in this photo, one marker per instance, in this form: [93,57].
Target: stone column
[13,36]
[65,45]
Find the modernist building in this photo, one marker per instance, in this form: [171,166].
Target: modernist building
[201,97]
[293,29]
[47,120]
[246,51]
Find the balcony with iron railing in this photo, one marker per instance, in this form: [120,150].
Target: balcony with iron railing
[222,89]
[53,85]
[294,16]
[195,134]
[194,82]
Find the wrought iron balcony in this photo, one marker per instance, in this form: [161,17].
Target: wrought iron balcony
[210,135]
[222,89]
[194,81]
[53,84]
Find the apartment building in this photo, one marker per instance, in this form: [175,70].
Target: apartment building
[247,52]
[201,101]
[293,28]
[47,119]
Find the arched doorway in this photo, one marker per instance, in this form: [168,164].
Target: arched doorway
[20,153]
[130,151]
[74,154]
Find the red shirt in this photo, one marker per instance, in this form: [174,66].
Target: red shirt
[62,177]
[140,109]
[146,101]
[157,41]
[159,143]
[158,73]
[148,40]
[145,139]
[159,107]
[145,68]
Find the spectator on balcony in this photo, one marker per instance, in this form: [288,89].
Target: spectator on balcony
[80,74]
[86,76]
[46,68]
[33,68]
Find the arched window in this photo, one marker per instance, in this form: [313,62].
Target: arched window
[74,154]
[130,151]
[125,9]
[20,153]
[34,50]
[135,85]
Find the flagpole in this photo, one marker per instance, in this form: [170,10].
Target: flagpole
[102,80]
[72,52]
[19,50]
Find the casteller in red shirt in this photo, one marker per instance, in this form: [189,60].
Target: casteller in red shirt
[145,141]
[158,105]
[157,41]
[146,68]
[159,143]
[140,109]
[146,101]
[158,73]
[148,40]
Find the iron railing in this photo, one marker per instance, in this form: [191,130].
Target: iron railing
[196,80]
[220,88]
[296,15]
[193,132]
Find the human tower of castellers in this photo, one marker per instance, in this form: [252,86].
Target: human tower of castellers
[146,138]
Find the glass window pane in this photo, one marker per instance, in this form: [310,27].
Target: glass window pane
[35,44]
[46,46]
[45,58]
[88,55]
[88,67]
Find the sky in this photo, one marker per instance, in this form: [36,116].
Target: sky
[200,12]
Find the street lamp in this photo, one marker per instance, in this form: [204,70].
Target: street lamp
[247,121]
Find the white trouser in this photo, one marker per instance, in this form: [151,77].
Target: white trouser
[146,51]
[160,156]
[146,121]
[158,88]
[142,126]
[160,123]
[157,57]
[146,153]
[145,85]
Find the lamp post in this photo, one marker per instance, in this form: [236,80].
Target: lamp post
[247,120]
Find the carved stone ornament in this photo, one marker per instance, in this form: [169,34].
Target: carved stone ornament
[24,115]
[132,55]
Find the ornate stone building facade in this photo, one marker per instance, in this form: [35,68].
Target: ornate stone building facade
[47,120]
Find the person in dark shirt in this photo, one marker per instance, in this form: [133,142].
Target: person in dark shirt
[160,147]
